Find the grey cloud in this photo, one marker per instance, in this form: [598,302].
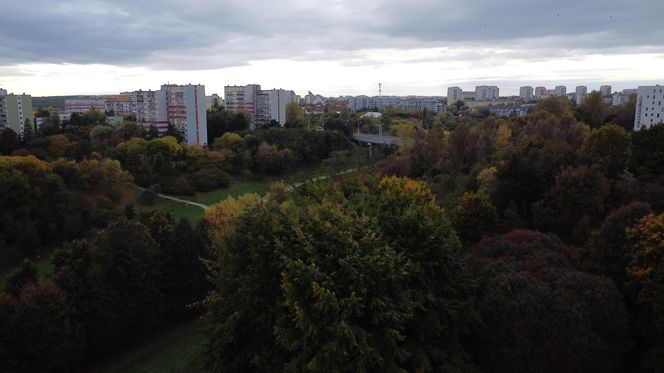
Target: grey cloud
[211,34]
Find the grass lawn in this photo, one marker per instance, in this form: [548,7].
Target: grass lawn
[176,350]
[177,209]
[235,190]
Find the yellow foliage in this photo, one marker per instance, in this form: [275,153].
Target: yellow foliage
[222,215]
[503,137]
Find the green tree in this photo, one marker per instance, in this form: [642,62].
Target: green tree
[295,116]
[647,161]
[9,141]
[361,276]
[593,110]
[609,246]
[608,146]
[575,202]
[474,216]
[645,282]
[540,315]
[25,275]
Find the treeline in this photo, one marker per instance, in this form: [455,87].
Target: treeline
[108,291]
[370,275]
[547,257]
[45,203]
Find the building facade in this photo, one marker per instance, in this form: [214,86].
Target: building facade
[540,91]
[85,104]
[526,93]
[19,113]
[484,93]
[649,106]
[605,90]
[185,110]
[454,94]
[560,90]
[3,109]
[278,99]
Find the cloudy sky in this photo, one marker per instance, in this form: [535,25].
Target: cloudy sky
[334,47]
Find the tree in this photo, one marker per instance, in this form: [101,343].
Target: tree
[362,276]
[39,334]
[647,161]
[609,246]
[23,276]
[645,281]
[295,116]
[474,216]
[592,110]
[540,315]
[554,105]
[9,141]
[573,204]
[608,146]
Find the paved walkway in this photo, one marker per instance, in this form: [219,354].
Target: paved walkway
[166,196]
[289,188]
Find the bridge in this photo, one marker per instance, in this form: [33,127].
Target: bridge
[377,139]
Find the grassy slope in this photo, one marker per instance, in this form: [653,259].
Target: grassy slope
[176,350]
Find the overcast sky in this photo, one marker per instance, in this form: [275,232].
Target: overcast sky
[334,47]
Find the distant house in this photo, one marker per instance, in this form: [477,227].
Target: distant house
[371,114]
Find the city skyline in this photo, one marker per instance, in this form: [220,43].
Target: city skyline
[340,48]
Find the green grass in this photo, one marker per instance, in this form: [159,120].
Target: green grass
[176,350]
[177,209]
[235,190]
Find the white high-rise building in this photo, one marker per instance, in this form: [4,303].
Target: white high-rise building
[278,99]
[579,93]
[454,94]
[605,90]
[16,112]
[484,93]
[264,106]
[185,107]
[151,109]
[3,109]
[243,98]
[560,90]
[540,91]
[526,93]
[649,106]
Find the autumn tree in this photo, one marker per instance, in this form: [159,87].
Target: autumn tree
[610,147]
[573,205]
[609,246]
[474,216]
[593,110]
[645,282]
[540,315]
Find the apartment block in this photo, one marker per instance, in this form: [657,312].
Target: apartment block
[85,104]
[18,113]
[649,106]
[484,93]
[264,106]
[147,105]
[185,110]
[605,90]
[454,94]
[278,99]
[3,109]
[540,91]
[560,90]
[526,93]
